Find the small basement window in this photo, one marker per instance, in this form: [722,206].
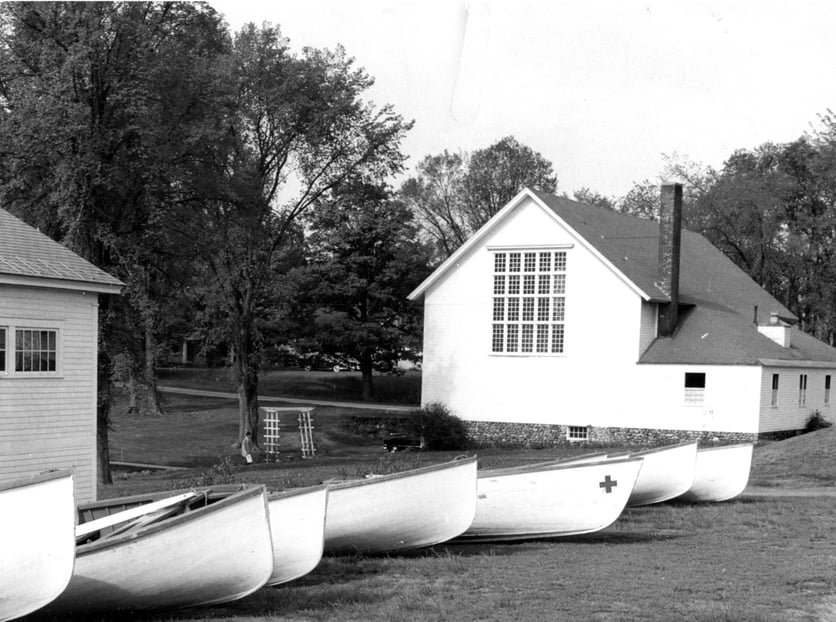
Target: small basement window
[694,389]
[577,433]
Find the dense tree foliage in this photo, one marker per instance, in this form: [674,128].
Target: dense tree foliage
[90,129]
[365,259]
[453,195]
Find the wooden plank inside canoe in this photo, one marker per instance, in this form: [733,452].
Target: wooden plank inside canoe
[85,529]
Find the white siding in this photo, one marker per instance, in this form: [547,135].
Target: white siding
[649,325]
[787,414]
[50,422]
[597,381]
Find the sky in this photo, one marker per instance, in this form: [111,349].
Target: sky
[603,89]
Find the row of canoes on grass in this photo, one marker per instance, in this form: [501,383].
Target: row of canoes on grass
[217,544]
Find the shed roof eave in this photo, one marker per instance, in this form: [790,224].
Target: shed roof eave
[797,363]
[48,283]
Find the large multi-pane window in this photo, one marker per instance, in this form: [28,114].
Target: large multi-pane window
[529,302]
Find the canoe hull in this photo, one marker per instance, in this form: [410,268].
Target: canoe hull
[401,511]
[722,473]
[666,473]
[297,523]
[561,500]
[211,555]
[37,542]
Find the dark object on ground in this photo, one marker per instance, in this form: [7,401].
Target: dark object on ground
[402,443]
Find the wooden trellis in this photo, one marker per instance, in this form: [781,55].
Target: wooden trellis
[272,430]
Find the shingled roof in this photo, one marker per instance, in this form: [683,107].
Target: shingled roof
[717,298]
[28,256]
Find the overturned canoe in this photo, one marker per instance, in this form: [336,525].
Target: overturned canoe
[297,523]
[666,473]
[400,511]
[197,549]
[37,542]
[722,472]
[551,500]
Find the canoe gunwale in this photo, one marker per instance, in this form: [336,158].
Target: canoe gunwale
[388,477]
[166,523]
[40,478]
[551,466]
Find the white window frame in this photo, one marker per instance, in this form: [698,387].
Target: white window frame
[528,300]
[577,433]
[10,330]
[694,396]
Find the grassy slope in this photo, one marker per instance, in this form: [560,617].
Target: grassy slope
[808,460]
[754,559]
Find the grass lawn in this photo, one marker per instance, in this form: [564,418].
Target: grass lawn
[756,558]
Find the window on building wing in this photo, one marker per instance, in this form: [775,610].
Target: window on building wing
[3,348]
[827,390]
[529,302]
[774,389]
[802,389]
[694,388]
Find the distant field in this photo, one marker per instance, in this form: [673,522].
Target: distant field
[754,559]
[326,385]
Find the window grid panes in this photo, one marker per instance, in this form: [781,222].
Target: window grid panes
[529,309]
[577,433]
[35,351]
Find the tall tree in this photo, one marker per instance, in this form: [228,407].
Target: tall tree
[285,117]
[590,197]
[453,195]
[366,258]
[436,196]
[83,154]
[497,173]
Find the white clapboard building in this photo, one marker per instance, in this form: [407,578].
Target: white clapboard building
[49,302]
[558,321]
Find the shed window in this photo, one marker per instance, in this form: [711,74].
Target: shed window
[694,389]
[36,351]
[827,390]
[529,310]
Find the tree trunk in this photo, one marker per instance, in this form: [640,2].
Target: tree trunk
[103,397]
[150,394]
[245,373]
[366,371]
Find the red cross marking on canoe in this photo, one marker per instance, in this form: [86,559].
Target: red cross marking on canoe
[608,483]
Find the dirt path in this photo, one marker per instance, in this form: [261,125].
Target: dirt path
[294,400]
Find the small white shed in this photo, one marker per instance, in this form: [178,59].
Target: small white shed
[49,301]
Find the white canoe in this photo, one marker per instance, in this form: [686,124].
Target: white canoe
[217,551]
[667,472]
[37,541]
[722,472]
[400,511]
[297,522]
[561,499]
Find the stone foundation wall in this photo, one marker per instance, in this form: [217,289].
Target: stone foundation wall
[496,434]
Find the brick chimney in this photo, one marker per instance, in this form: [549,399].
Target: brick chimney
[670,243]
